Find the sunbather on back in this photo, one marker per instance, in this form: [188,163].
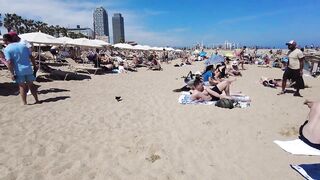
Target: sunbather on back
[310,130]
[202,93]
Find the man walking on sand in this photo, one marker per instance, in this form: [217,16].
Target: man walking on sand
[294,69]
[19,61]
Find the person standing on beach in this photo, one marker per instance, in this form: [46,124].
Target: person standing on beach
[19,61]
[241,56]
[165,56]
[294,69]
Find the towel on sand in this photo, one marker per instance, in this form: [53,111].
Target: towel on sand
[308,171]
[185,98]
[298,147]
[241,101]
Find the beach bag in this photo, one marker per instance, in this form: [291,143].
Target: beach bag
[225,103]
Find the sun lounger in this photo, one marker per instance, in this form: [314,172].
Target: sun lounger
[308,171]
[85,68]
[298,147]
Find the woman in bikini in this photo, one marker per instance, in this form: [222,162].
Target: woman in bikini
[310,130]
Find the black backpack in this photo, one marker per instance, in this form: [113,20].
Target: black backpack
[225,103]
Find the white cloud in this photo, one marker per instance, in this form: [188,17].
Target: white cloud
[69,13]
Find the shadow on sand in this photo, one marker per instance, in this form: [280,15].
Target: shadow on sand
[55,99]
[52,90]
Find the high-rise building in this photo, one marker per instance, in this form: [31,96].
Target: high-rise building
[118,28]
[100,22]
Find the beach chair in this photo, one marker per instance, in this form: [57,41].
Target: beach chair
[314,61]
[84,68]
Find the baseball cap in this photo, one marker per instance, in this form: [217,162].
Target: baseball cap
[292,42]
[12,33]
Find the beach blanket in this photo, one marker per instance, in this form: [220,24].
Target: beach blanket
[308,171]
[241,101]
[298,147]
[185,98]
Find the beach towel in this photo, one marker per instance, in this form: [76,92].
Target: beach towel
[240,101]
[308,171]
[185,98]
[298,147]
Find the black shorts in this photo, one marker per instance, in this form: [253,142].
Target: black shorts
[305,140]
[217,90]
[294,75]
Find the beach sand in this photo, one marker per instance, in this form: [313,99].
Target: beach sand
[82,132]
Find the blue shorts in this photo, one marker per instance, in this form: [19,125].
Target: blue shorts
[25,78]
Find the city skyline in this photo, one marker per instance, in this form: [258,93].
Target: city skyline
[263,23]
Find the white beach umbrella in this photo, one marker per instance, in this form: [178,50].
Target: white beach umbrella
[84,42]
[142,47]
[123,46]
[100,42]
[169,49]
[39,38]
[64,40]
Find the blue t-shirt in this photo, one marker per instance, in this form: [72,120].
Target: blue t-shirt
[19,55]
[207,75]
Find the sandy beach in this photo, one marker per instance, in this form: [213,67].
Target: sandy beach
[82,132]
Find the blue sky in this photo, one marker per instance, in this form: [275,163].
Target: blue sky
[186,22]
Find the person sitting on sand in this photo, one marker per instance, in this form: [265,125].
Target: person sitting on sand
[202,93]
[209,77]
[310,131]
[232,69]
[153,62]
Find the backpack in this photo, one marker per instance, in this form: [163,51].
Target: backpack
[225,103]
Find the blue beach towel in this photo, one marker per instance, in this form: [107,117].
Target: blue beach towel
[308,171]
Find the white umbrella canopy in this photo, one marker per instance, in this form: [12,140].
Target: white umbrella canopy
[142,47]
[100,42]
[157,48]
[64,40]
[84,42]
[39,38]
[169,49]
[123,46]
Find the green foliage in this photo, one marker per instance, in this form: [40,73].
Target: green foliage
[21,25]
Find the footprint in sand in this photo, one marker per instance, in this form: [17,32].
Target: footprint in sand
[289,132]
[61,169]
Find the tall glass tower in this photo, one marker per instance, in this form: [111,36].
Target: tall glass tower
[100,22]
[118,28]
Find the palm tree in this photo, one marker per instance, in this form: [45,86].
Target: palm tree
[12,21]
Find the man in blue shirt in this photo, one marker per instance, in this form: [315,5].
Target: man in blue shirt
[19,61]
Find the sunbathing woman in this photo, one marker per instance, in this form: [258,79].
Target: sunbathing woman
[274,83]
[202,93]
[310,130]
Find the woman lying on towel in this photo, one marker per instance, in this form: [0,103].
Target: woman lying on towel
[202,93]
[274,83]
[310,130]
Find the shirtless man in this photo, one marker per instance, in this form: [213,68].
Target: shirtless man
[310,130]
[202,93]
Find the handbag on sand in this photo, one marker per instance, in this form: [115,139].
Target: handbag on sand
[225,103]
